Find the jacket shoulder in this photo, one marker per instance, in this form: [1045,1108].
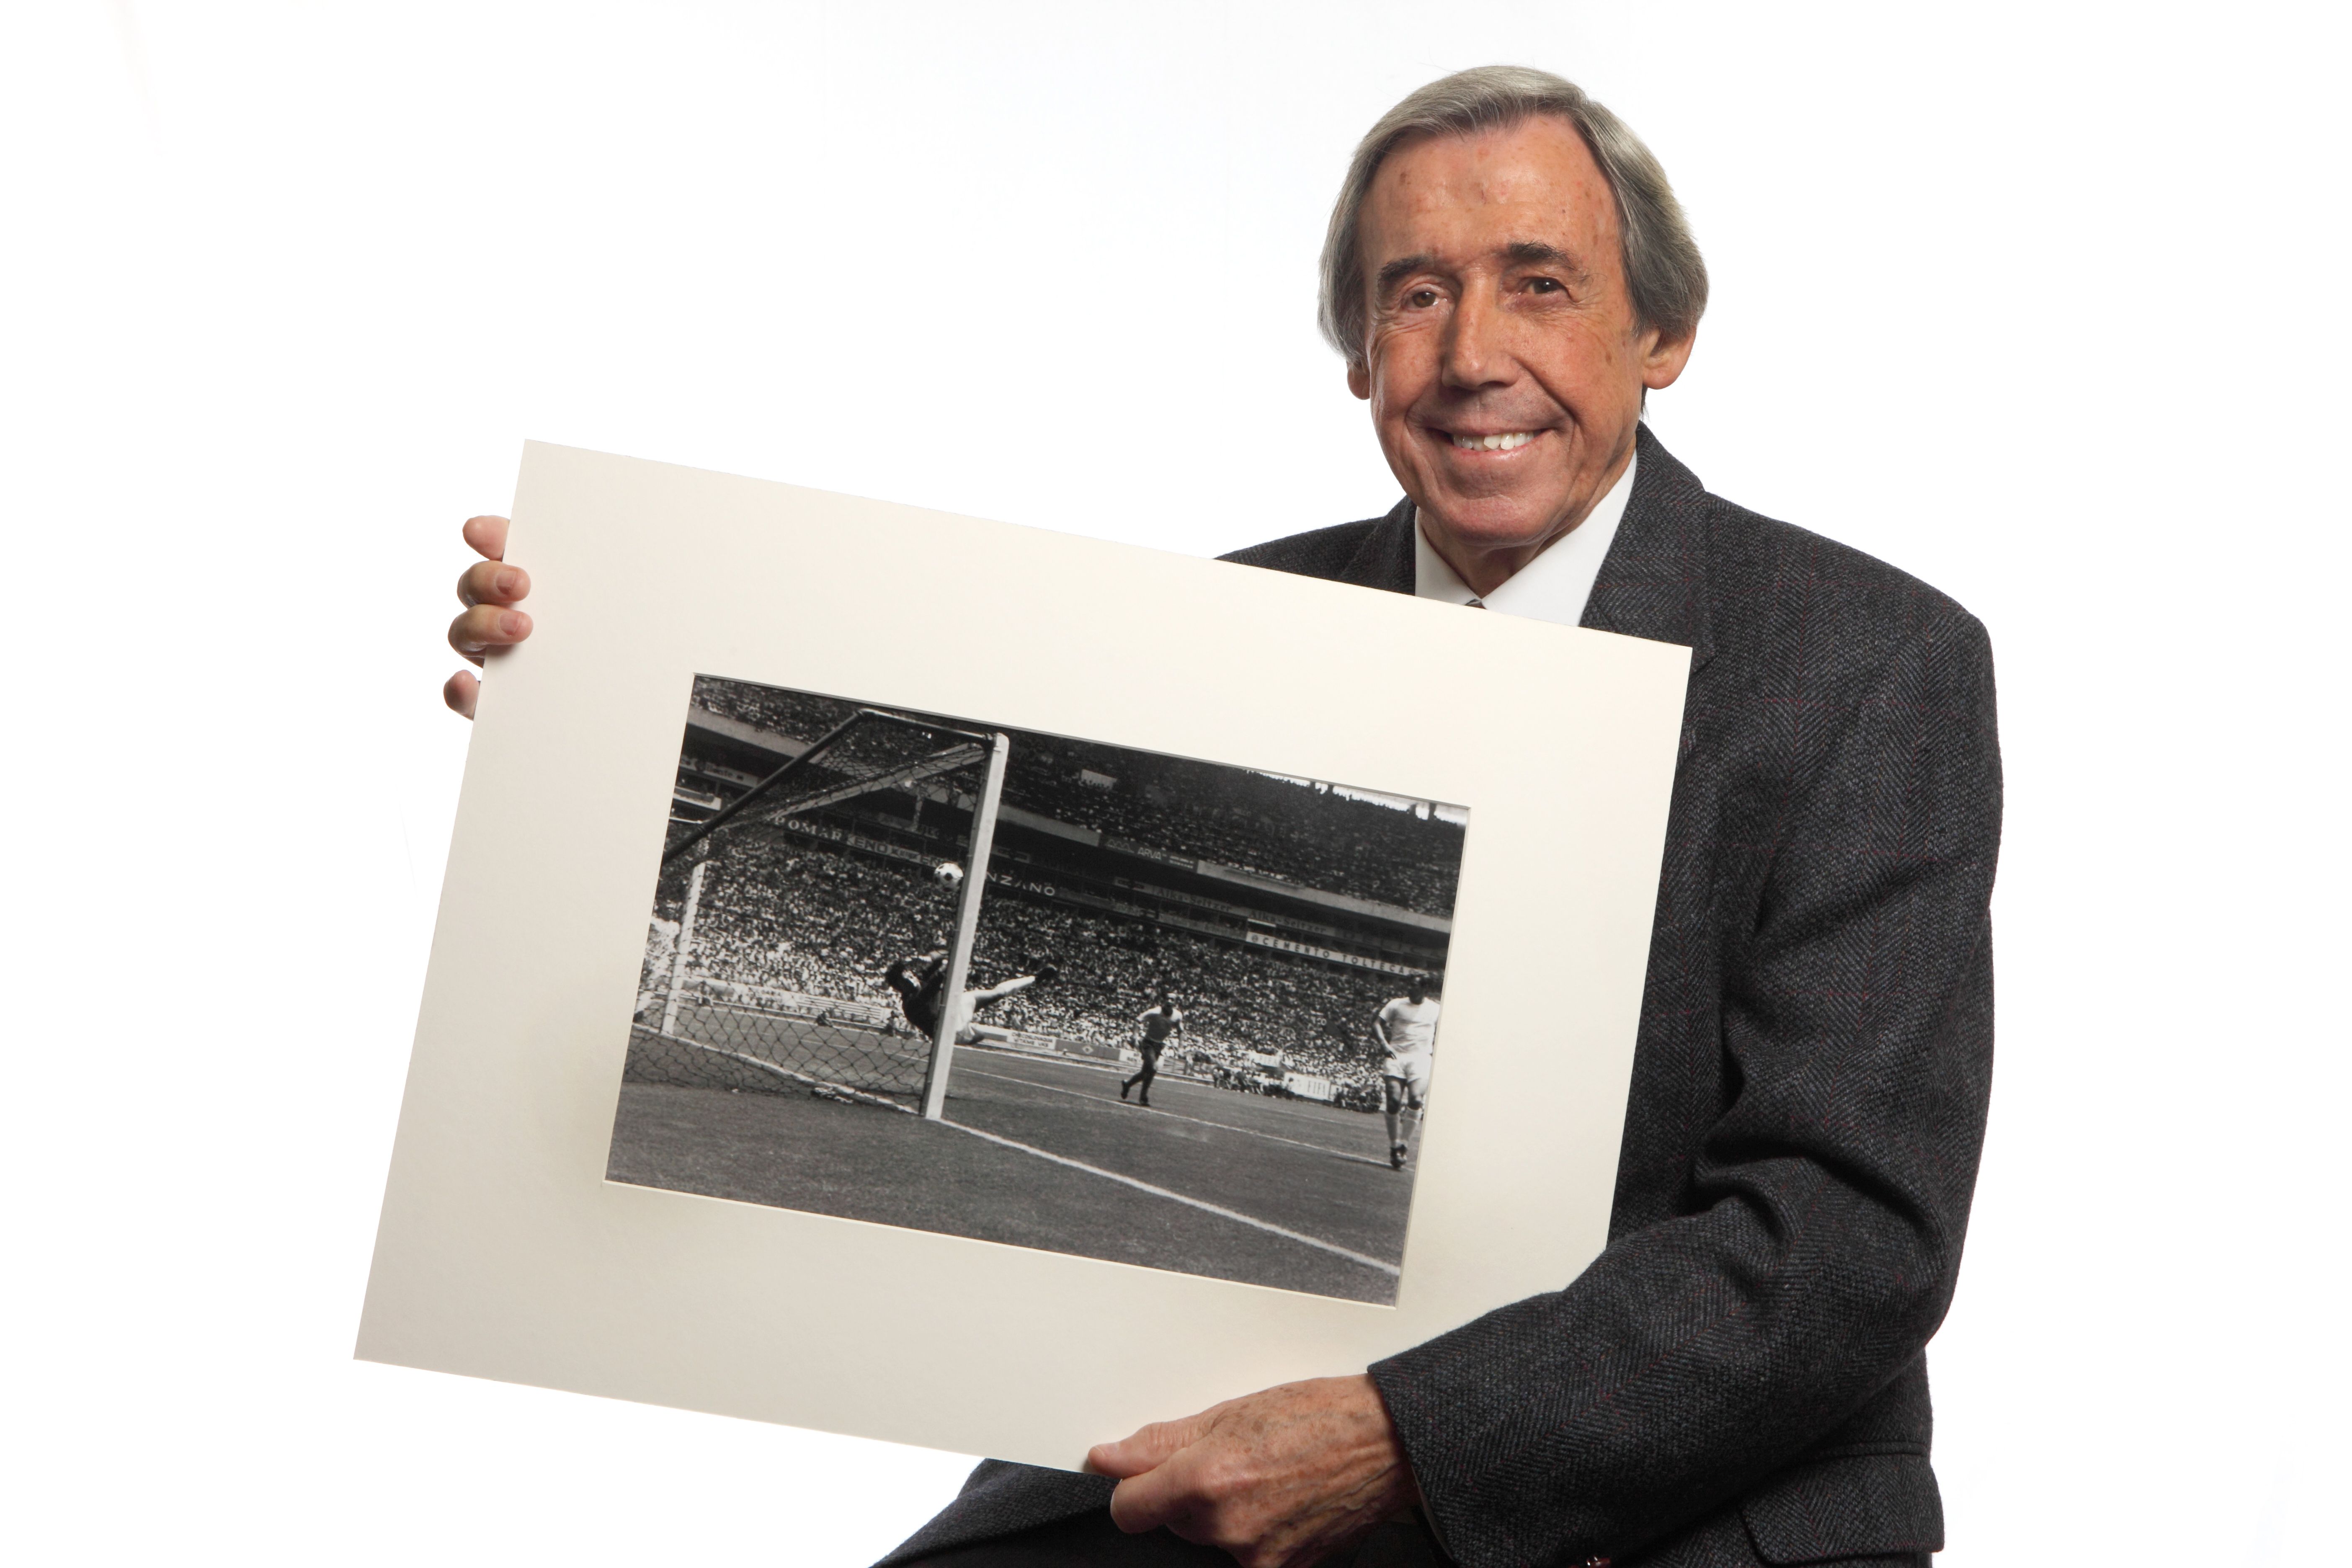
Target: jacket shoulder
[1318,553]
[1770,580]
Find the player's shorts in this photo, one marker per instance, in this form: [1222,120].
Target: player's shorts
[1412,1073]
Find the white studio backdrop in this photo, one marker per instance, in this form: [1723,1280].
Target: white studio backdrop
[2041,302]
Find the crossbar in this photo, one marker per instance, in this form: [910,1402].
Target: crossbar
[824,743]
[945,762]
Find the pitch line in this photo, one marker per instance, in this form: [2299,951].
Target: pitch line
[1180,1116]
[1267,1226]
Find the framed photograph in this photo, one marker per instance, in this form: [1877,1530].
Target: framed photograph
[973,986]
[1265,954]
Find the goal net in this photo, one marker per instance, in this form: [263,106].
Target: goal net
[788,904]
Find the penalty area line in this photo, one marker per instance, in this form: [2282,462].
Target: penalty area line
[1223,1213]
[1178,1116]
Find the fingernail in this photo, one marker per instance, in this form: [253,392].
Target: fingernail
[514,623]
[508,582]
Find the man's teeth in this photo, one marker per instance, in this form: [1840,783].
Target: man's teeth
[1517,438]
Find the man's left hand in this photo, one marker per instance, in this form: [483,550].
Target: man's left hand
[1278,1479]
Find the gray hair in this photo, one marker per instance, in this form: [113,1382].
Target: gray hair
[1664,276]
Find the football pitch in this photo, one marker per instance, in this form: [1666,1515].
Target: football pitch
[1041,1152]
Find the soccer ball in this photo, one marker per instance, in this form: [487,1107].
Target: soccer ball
[948,875]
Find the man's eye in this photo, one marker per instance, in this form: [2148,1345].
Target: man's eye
[1420,299]
[1543,285]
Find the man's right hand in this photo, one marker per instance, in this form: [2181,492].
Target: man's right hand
[490,590]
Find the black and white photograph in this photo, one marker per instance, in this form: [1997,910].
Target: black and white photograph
[1187,1019]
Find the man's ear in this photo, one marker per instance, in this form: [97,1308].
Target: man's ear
[1663,361]
[1360,380]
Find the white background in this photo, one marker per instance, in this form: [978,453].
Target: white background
[2041,302]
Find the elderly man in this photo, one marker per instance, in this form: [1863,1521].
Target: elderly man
[1738,1378]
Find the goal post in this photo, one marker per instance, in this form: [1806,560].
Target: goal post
[685,946]
[951,1017]
[788,901]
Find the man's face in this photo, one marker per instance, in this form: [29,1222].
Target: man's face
[1505,368]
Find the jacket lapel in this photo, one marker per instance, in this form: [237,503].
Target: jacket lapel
[1385,559]
[1653,583]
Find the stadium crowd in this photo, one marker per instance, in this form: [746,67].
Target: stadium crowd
[1235,999]
[1306,834]
[779,912]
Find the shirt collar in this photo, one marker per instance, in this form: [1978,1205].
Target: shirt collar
[1553,586]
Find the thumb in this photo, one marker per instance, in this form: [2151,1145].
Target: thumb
[1147,1449]
[487,535]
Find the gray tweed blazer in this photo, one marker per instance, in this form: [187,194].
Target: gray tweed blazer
[1739,1377]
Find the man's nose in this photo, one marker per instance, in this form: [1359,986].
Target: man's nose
[1476,352]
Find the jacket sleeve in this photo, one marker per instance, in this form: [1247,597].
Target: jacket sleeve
[1818,1247]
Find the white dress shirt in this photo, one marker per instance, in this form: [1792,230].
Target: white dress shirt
[1554,585]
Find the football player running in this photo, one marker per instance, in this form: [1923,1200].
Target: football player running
[1154,1029]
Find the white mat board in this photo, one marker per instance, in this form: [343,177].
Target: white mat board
[504,1253]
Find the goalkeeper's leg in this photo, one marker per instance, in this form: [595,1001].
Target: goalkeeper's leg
[1011,988]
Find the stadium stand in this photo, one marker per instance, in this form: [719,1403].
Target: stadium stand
[1226,814]
[822,905]
[820,921]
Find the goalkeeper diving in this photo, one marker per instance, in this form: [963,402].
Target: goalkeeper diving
[919,981]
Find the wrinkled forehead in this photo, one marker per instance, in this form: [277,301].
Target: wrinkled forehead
[1461,196]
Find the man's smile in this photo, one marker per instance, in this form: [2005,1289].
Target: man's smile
[1500,441]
